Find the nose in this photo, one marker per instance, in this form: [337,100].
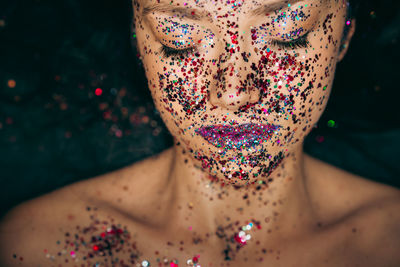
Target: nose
[233,90]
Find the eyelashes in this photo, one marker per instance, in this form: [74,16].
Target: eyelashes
[301,42]
[167,51]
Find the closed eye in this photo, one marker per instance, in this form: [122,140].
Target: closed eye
[301,42]
[167,51]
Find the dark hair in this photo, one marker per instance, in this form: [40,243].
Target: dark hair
[354,5]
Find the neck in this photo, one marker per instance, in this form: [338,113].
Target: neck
[280,205]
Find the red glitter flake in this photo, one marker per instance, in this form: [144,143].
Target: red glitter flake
[98,91]
[234,39]
[240,240]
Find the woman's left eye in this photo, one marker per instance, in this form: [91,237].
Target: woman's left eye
[167,51]
[301,42]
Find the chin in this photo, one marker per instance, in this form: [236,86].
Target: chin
[240,167]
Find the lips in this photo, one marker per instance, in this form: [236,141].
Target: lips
[240,136]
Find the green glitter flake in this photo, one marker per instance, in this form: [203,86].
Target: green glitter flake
[331,123]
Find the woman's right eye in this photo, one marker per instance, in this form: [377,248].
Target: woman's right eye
[167,51]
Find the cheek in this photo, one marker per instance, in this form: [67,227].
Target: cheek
[184,84]
[288,83]
[314,87]
[177,92]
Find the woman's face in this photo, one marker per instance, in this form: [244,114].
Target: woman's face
[239,84]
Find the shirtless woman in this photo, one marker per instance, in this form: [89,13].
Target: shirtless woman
[239,84]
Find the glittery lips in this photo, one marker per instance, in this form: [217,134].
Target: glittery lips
[240,136]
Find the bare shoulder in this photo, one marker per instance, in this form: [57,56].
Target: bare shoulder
[354,191]
[369,209]
[31,228]
[379,220]
[31,232]
[130,186]
[377,227]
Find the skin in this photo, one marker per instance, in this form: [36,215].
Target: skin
[191,201]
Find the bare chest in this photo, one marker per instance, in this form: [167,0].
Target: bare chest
[147,247]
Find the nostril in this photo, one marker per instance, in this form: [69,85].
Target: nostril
[247,106]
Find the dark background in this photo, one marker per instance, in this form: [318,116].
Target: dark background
[55,130]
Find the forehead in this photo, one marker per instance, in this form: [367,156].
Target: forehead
[222,5]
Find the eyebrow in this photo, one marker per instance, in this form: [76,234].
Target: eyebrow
[190,13]
[267,8]
[196,14]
